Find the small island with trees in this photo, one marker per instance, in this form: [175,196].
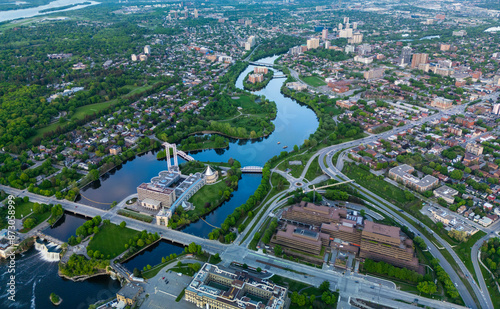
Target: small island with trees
[55,299]
[257,79]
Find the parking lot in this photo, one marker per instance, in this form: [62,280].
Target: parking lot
[165,288]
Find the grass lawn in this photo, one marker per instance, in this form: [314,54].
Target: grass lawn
[313,81]
[204,145]
[291,284]
[138,89]
[39,219]
[111,240]
[492,288]
[463,251]
[82,111]
[314,170]
[209,193]
[296,170]
[23,209]
[279,182]
[184,269]
[372,183]
[150,273]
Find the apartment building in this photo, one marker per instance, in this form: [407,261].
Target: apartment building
[402,173]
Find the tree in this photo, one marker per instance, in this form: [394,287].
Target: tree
[29,223]
[457,174]
[137,273]
[123,224]
[278,250]
[427,287]
[439,225]
[324,286]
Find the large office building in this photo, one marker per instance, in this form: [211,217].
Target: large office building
[402,173]
[154,195]
[348,232]
[214,287]
[301,239]
[311,214]
[381,242]
[418,59]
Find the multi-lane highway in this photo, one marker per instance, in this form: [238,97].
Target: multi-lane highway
[350,285]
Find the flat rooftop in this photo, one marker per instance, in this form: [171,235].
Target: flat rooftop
[381,229]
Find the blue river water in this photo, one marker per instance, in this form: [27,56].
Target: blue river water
[38,278]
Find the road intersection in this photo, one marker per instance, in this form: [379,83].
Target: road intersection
[350,285]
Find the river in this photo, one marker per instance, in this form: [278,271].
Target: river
[30,12]
[37,278]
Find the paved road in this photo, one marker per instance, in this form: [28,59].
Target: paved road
[211,246]
[483,297]
[349,285]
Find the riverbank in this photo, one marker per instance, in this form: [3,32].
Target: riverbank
[80,278]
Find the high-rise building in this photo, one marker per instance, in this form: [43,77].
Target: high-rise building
[313,43]
[147,50]
[354,25]
[496,109]
[349,49]
[346,20]
[418,59]
[195,12]
[134,57]
[346,33]
[297,50]
[340,26]
[250,42]
[324,34]
[327,44]
[406,55]
[356,38]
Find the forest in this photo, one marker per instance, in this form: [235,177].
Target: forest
[23,95]
[255,123]
[277,46]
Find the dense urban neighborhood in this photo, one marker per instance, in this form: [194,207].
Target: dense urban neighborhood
[251,154]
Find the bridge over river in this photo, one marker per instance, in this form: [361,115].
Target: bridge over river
[251,169]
